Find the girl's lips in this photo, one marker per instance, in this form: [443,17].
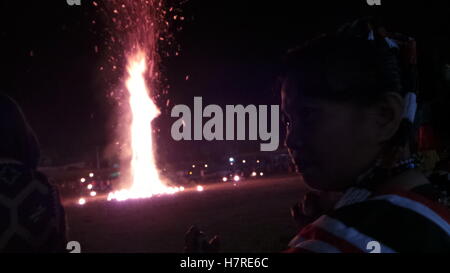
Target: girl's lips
[300,160]
[303,164]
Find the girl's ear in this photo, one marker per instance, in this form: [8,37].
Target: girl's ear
[388,114]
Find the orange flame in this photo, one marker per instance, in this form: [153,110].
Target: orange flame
[144,173]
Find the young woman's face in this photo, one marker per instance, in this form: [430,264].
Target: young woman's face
[330,143]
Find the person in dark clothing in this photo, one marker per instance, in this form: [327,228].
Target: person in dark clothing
[32,217]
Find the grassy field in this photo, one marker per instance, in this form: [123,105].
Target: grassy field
[250,217]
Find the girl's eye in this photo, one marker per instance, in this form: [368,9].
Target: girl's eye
[307,113]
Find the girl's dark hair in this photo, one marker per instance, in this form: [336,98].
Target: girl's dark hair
[17,140]
[357,63]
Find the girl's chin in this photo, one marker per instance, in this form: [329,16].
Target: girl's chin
[317,181]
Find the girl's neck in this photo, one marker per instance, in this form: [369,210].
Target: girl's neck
[406,180]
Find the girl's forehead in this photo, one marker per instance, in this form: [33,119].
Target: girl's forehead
[292,98]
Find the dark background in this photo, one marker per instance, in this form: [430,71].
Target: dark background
[231,51]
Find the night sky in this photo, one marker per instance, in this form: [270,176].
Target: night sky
[231,51]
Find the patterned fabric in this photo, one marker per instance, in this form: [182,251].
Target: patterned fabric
[397,221]
[32,218]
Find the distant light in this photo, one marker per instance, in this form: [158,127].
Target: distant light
[82,201]
[190,173]
[93,193]
[110,196]
[231,159]
[236,178]
[231,163]
[243,161]
[193,166]
[181,188]
[206,165]
[261,173]
[257,161]
[199,188]
[224,179]
[254,174]
[89,187]
[82,180]
[91,175]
